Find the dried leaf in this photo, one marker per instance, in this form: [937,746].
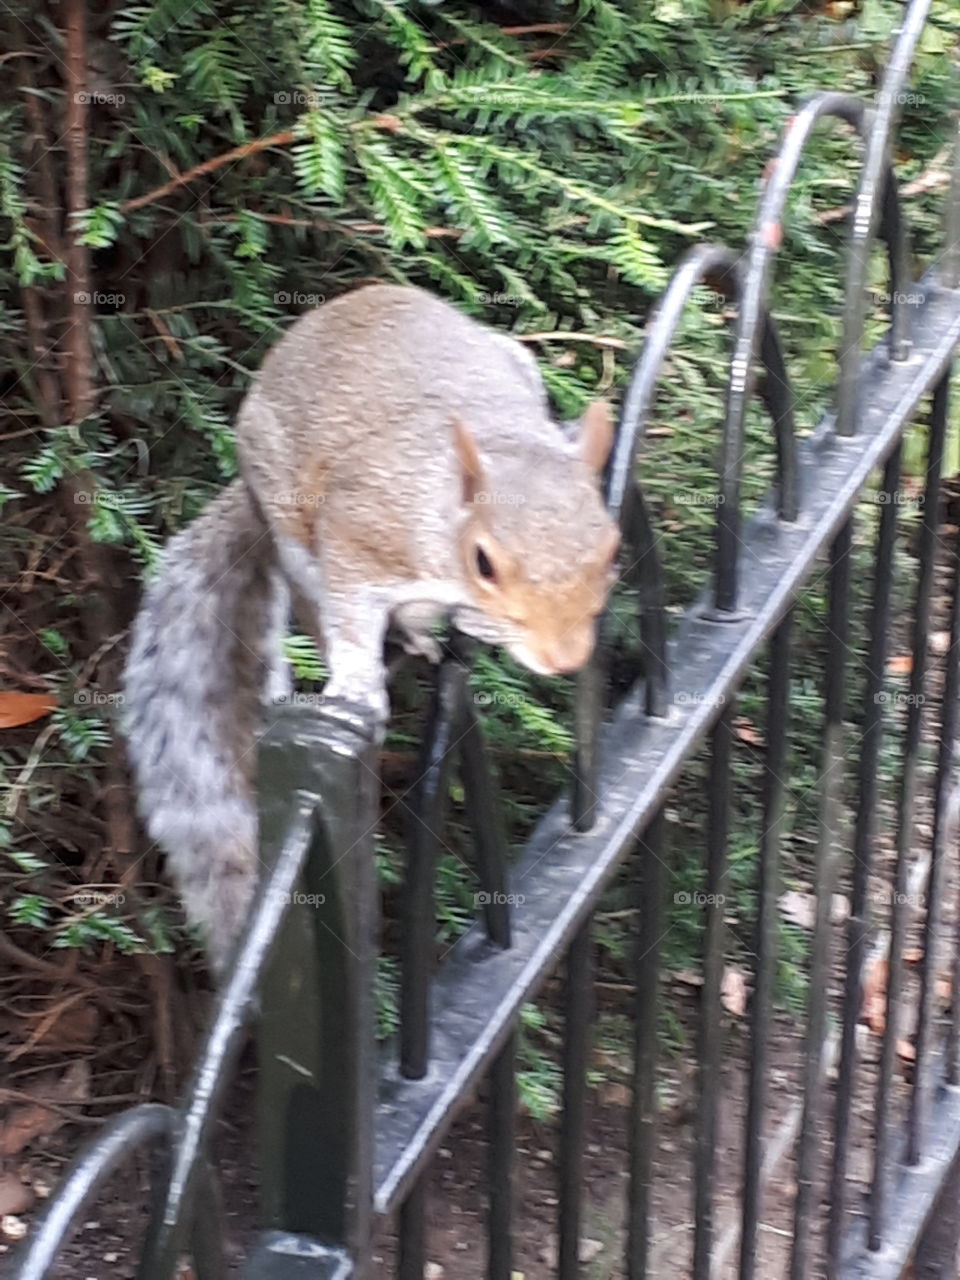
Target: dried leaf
[906,1051]
[799,908]
[747,732]
[33,1119]
[874,1009]
[733,991]
[23,708]
[15,1196]
[901,665]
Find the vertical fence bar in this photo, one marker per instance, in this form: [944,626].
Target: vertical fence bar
[317,1026]
[588,714]
[905,823]
[838,621]
[868,790]
[951,250]
[709,1053]
[503,1143]
[919,1095]
[951,695]
[647,578]
[482,804]
[576,1049]
[778,710]
[643,1109]
[426,826]
[412,1234]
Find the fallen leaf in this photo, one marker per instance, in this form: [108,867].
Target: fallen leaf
[688,977]
[874,1009]
[912,955]
[23,708]
[940,643]
[798,908]
[12,1227]
[33,1119]
[15,1197]
[901,665]
[733,991]
[747,732]
[906,1051]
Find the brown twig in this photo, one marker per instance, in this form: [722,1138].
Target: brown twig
[560,335]
[931,180]
[281,139]
[324,224]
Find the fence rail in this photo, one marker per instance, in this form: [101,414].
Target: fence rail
[347,1135]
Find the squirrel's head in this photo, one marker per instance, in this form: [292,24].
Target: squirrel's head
[538,548]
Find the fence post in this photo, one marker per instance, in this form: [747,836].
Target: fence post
[316,1030]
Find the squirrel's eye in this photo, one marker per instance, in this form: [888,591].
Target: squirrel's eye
[484,567]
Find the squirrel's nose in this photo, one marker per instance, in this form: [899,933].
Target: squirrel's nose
[567,657]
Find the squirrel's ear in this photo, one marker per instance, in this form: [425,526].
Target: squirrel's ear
[471,468]
[596,435]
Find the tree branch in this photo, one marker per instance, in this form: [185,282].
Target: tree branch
[79,347]
[284,138]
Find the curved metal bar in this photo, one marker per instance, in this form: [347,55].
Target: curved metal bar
[951,252]
[213,1072]
[627,504]
[765,239]
[118,1140]
[699,262]
[874,181]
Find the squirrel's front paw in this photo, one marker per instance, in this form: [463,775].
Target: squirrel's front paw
[367,712]
[422,645]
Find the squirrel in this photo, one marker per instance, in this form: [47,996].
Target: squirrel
[398,463]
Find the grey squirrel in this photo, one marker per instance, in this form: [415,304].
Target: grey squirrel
[398,463]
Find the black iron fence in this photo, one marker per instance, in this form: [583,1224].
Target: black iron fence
[348,1135]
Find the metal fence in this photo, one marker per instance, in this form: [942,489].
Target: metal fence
[348,1134]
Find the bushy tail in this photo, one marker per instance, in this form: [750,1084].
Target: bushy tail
[206,644]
